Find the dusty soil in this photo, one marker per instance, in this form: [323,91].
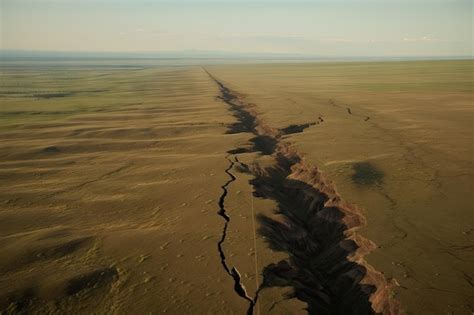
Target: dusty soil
[192,190]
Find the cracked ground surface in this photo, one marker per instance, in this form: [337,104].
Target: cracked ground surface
[111,206]
[134,190]
[110,201]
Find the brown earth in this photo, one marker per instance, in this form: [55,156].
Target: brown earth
[164,189]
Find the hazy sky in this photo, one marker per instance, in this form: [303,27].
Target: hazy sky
[318,27]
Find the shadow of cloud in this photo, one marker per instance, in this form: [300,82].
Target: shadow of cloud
[367,174]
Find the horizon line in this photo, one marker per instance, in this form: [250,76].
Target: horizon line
[224,53]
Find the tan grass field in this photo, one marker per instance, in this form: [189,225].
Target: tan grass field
[328,186]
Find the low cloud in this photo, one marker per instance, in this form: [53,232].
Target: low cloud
[426,38]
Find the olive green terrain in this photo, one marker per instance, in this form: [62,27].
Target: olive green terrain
[112,178]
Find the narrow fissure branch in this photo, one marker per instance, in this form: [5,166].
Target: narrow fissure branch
[239,288]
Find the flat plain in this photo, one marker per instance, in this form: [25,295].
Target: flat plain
[264,188]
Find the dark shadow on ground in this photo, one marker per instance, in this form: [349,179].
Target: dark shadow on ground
[366,173]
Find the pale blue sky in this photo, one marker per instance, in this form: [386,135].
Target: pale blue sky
[325,28]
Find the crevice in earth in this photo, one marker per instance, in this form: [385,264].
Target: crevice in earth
[239,288]
[316,228]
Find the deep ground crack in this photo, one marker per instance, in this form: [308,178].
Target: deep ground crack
[325,265]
